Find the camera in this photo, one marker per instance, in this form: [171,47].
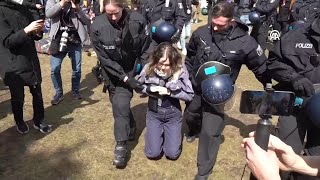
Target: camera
[63,40]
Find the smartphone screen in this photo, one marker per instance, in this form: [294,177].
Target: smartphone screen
[279,103]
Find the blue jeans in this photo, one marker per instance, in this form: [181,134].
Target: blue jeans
[163,132]
[74,53]
[186,32]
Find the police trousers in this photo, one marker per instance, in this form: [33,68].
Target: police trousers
[260,34]
[120,96]
[17,101]
[213,124]
[192,114]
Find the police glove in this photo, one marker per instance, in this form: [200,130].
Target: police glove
[303,87]
[176,36]
[134,84]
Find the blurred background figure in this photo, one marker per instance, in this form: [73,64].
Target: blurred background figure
[186,30]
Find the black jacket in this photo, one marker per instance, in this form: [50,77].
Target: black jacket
[187,7]
[266,8]
[290,58]
[18,55]
[305,10]
[154,10]
[120,46]
[235,49]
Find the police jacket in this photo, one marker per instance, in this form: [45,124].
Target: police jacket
[154,10]
[18,55]
[119,45]
[187,7]
[296,55]
[266,8]
[235,49]
[305,10]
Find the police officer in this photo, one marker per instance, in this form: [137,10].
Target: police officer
[119,39]
[294,63]
[168,10]
[268,11]
[228,42]
[305,10]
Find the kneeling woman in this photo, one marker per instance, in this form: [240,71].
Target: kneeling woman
[166,81]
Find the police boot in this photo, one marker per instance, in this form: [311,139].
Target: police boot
[120,154]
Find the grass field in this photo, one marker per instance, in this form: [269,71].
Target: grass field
[81,144]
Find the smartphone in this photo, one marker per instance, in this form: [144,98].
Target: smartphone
[279,103]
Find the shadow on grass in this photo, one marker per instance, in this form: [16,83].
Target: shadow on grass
[14,146]
[139,114]
[18,164]
[54,114]
[243,128]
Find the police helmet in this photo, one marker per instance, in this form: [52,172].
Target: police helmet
[218,89]
[216,84]
[204,11]
[254,17]
[313,109]
[211,68]
[162,31]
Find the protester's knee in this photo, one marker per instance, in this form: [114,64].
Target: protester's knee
[153,153]
[172,153]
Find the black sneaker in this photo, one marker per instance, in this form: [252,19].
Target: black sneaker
[120,154]
[44,128]
[22,127]
[190,137]
[56,99]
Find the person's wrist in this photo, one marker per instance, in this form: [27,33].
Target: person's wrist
[27,30]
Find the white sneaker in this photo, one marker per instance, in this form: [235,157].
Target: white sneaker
[184,52]
[179,45]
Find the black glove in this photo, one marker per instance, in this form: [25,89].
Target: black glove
[303,87]
[176,36]
[134,84]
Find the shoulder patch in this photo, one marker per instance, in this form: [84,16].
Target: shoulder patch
[259,50]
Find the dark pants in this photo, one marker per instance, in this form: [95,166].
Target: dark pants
[17,101]
[292,131]
[163,132]
[192,115]
[260,34]
[209,139]
[120,97]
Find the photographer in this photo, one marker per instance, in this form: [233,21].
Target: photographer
[266,165]
[20,62]
[67,33]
